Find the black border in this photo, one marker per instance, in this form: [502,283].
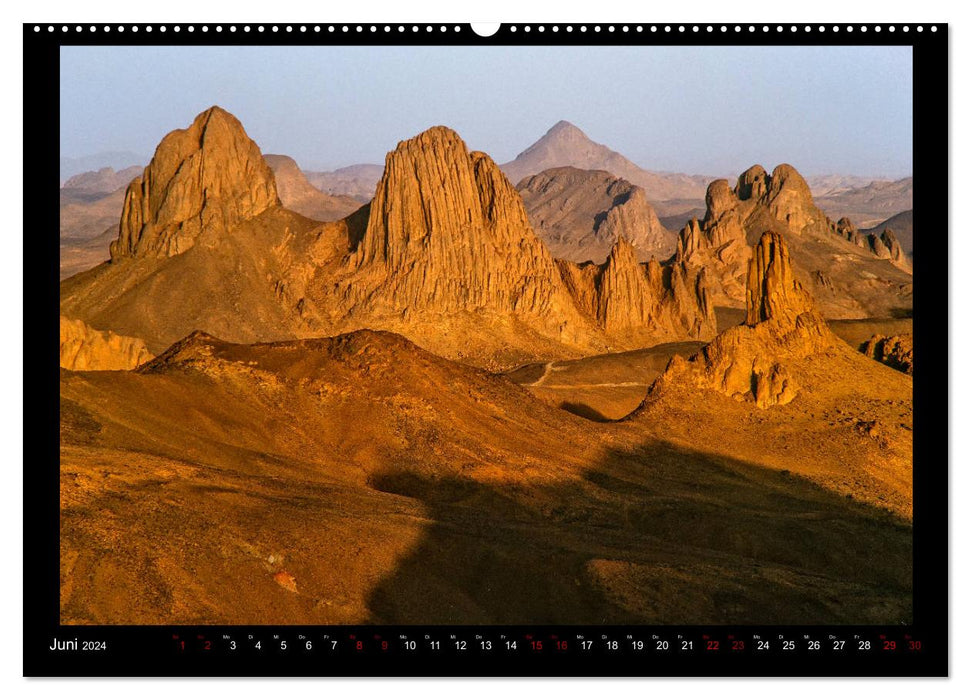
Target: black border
[155,651]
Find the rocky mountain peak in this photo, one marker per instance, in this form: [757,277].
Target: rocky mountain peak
[201,183]
[580,214]
[438,200]
[565,130]
[447,232]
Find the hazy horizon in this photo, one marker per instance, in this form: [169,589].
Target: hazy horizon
[697,110]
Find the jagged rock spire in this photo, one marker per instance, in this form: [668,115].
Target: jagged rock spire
[750,362]
[772,293]
[201,182]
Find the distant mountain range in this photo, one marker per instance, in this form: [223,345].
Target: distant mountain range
[117,160]
[675,196]
[870,204]
[92,193]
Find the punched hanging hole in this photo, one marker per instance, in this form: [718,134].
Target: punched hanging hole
[486,28]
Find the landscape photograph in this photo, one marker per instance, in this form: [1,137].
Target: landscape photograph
[486,335]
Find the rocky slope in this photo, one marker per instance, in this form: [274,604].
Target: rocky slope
[84,348]
[361,480]
[580,214]
[297,194]
[882,244]
[566,145]
[444,254]
[848,280]
[783,380]
[748,362]
[902,225]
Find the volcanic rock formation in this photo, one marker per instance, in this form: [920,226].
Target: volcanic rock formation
[883,245]
[902,225]
[748,362]
[84,348]
[446,232]
[202,182]
[850,276]
[895,351]
[629,298]
[580,214]
[444,254]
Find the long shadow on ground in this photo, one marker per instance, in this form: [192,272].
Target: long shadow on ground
[653,535]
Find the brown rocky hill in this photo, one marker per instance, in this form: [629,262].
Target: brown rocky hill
[566,145]
[847,280]
[783,378]
[201,183]
[611,386]
[580,214]
[355,181]
[626,297]
[895,351]
[297,194]
[882,244]
[359,479]
[84,348]
[901,224]
[444,254]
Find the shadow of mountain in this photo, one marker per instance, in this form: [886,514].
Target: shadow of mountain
[584,411]
[651,535]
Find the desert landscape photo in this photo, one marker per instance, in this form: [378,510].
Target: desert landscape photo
[505,335]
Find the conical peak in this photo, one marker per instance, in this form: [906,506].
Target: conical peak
[216,115]
[772,293]
[201,183]
[214,128]
[565,128]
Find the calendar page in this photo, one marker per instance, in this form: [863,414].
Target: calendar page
[436,349]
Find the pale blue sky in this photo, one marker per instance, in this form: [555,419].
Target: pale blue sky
[707,110]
